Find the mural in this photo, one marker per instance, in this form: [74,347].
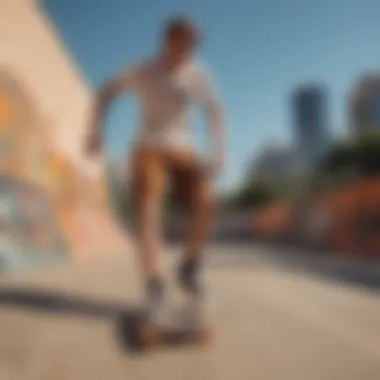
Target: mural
[48,203]
[27,215]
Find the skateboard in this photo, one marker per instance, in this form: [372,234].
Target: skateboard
[181,328]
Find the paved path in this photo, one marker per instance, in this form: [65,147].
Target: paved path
[271,323]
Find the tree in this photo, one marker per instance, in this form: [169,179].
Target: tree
[367,154]
[339,158]
[352,158]
[120,199]
[253,194]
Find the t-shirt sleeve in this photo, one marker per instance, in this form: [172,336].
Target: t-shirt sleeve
[205,91]
[208,98]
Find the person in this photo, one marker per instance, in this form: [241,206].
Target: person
[166,87]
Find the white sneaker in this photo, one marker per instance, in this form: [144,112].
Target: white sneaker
[156,311]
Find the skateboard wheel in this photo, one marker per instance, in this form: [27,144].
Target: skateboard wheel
[205,336]
[149,336]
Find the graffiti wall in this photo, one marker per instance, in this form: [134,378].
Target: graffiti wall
[61,205]
[27,215]
[44,105]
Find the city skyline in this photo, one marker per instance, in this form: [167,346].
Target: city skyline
[365,105]
[311,115]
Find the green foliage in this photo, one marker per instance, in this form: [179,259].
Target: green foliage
[253,194]
[120,201]
[357,157]
[367,154]
[339,157]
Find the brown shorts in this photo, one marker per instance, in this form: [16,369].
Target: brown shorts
[157,172]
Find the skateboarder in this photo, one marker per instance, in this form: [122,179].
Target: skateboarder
[166,86]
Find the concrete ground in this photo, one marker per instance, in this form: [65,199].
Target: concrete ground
[274,318]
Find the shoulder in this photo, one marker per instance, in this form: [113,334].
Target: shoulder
[201,74]
[198,70]
[146,66]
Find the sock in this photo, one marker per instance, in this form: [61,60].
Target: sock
[154,286]
[190,265]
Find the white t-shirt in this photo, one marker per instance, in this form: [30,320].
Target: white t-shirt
[165,98]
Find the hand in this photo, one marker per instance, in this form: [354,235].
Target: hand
[93,144]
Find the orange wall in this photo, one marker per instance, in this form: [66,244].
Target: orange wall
[273,221]
[342,204]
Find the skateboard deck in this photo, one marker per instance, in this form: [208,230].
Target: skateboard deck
[181,328]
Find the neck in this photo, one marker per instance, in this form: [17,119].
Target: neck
[170,63]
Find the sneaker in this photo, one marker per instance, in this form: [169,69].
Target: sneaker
[155,300]
[189,278]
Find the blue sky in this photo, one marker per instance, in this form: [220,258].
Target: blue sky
[257,50]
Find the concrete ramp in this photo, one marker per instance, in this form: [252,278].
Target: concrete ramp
[270,324]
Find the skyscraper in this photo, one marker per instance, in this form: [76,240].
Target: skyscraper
[276,160]
[309,105]
[364,107]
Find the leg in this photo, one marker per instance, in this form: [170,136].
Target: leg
[195,191]
[147,190]
[199,228]
[200,210]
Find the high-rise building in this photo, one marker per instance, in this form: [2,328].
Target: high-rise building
[310,121]
[364,105]
[276,160]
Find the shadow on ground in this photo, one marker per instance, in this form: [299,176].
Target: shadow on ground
[53,302]
[125,317]
[128,320]
[350,271]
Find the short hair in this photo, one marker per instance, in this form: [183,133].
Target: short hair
[182,24]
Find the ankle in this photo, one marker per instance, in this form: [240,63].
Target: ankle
[190,264]
[192,256]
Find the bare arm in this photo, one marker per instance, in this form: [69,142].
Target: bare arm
[126,81]
[102,101]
